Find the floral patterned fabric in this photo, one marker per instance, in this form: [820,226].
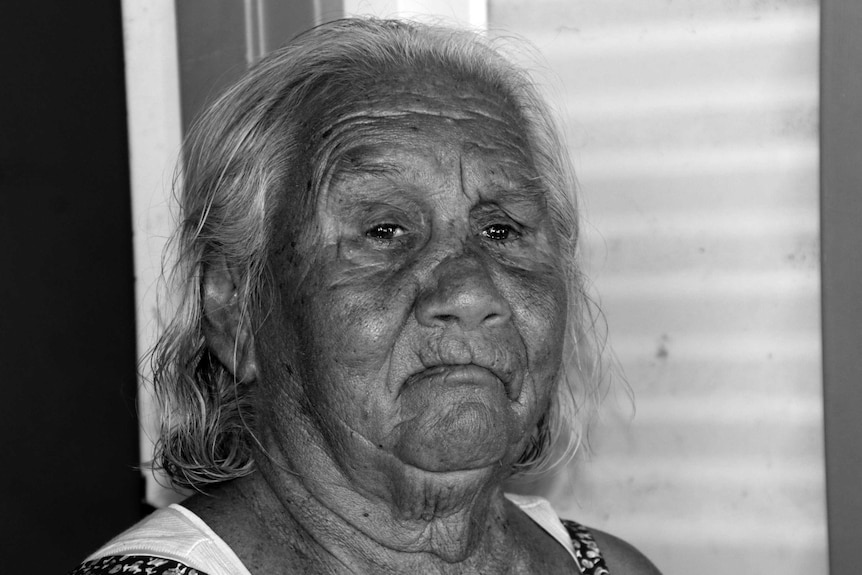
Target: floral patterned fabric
[589,557]
[137,564]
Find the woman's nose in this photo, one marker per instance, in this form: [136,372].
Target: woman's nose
[462,295]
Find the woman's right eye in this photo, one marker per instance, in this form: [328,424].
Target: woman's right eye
[385,232]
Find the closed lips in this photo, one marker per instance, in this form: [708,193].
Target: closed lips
[470,374]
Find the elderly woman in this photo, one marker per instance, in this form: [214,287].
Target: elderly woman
[381,300]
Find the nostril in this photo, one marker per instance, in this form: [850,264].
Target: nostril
[469,313]
[493,318]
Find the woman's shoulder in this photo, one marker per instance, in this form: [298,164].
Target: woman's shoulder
[597,552]
[170,540]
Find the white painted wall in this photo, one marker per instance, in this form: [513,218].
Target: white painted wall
[469,13]
[153,107]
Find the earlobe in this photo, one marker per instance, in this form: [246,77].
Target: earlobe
[226,325]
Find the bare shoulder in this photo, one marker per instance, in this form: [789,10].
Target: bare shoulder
[621,557]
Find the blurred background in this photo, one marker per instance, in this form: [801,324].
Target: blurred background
[720,236]
[693,127]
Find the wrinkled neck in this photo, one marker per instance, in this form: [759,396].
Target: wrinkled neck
[392,505]
[330,529]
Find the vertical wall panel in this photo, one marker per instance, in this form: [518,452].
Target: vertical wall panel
[841,155]
[693,128]
[219,39]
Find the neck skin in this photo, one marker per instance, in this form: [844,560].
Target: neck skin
[402,519]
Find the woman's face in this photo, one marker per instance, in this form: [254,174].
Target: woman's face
[428,325]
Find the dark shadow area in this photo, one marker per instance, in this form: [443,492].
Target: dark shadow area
[67,357]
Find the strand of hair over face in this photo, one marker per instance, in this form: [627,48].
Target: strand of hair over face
[243,180]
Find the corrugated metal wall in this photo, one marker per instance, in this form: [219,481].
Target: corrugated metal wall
[693,127]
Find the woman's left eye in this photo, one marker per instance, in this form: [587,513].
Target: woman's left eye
[385,232]
[500,232]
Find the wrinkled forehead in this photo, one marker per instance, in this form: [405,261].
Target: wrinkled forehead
[439,88]
[432,104]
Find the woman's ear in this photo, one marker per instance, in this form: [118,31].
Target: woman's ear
[226,328]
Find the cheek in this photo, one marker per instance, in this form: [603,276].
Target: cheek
[539,302]
[348,325]
[359,314]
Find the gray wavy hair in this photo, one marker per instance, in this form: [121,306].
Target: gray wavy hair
[244,155]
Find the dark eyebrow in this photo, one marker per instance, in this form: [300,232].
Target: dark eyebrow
[523,191]
[371,186]
[362,161]
[361,209]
